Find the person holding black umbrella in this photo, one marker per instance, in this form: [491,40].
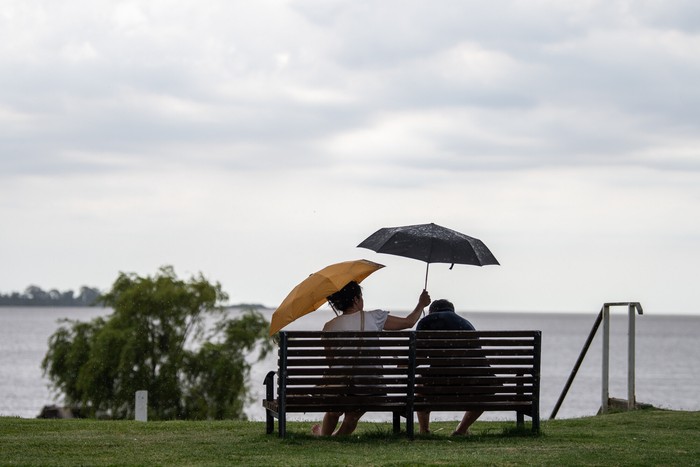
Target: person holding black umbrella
[349,302]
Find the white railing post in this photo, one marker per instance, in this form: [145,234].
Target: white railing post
[631,402]
[605,393]
[604,317]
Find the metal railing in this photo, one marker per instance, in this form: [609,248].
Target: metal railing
[604,317]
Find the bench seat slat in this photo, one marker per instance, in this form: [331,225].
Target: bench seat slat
[347,400]
[435,406]
[359,407]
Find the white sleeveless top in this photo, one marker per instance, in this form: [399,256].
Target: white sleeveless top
[374,321]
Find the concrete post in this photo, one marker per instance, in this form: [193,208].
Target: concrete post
[141,406]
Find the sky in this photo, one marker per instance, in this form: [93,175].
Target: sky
[257,142]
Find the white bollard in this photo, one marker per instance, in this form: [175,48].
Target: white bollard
[141,406]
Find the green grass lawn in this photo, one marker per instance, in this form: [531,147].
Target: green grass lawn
[644,437]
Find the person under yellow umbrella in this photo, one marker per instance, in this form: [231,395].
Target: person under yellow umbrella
[349,302]
[339,285]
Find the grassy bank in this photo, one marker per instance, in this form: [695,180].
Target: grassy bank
[645,437]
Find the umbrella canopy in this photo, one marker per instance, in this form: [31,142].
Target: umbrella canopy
[431,243]
[311,293]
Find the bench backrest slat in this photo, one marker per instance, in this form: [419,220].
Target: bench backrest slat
[314,335]
[345,352]
[480,334]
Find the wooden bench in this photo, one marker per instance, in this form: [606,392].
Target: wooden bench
[405,371]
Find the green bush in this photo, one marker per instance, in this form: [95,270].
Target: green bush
[157,339]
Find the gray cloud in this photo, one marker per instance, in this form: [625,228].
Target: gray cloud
[561,129]
[580,83]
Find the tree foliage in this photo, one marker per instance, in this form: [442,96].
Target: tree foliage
[162,337]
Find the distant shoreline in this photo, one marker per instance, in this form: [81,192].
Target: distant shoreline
[54,305]
[50,305]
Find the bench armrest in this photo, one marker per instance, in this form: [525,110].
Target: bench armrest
[269,383]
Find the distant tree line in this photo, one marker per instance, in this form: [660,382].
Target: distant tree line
[36,296]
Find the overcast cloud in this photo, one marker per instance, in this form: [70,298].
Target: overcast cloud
[257,142]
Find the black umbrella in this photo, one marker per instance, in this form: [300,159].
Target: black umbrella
[430,243]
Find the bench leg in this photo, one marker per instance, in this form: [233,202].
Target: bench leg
[535,421]
[409,423]
[282,425]
[269,422]
[269,396]
[520,417]
[397,423]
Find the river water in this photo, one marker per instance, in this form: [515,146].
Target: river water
[667,364]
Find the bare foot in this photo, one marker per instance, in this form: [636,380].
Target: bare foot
[316,430]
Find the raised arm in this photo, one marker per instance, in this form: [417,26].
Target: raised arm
[396,323]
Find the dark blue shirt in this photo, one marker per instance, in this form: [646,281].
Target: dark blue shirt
[444,321]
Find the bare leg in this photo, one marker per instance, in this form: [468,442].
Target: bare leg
[423,422]
[330,420]
[469,418]
[349,423]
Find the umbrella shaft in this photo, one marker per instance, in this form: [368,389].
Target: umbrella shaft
[427,265]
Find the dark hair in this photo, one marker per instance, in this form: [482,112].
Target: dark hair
[441,305]
[344,298]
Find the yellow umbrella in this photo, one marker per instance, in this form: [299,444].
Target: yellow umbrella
[311,293]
